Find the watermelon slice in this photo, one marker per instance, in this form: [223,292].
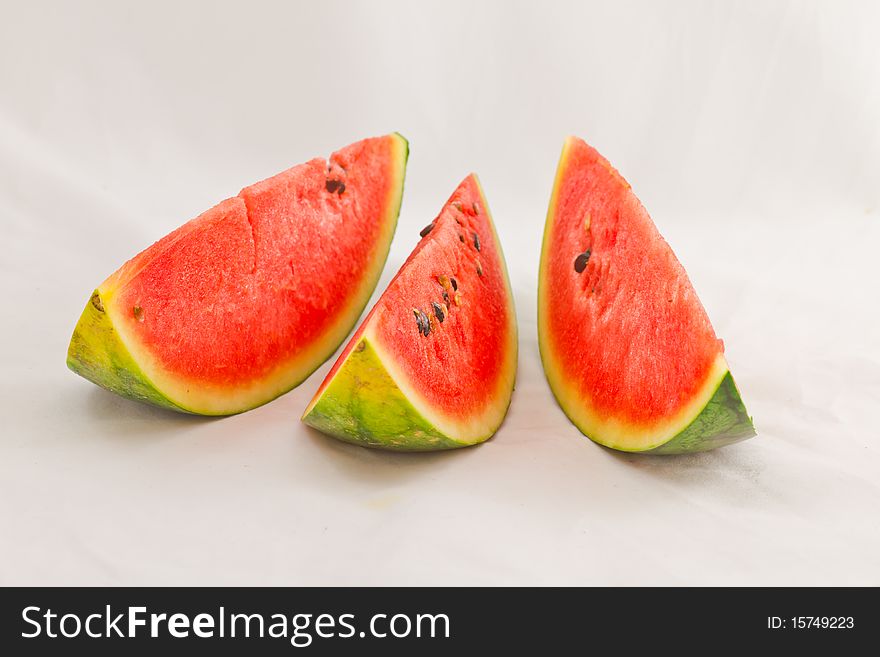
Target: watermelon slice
[242,303]
[433,364]
[627,347]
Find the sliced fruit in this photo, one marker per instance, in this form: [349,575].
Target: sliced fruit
[627,347]
[433,364]
[242,303]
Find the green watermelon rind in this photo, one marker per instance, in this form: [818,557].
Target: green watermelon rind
[364,406]
[97,353]
[722,421]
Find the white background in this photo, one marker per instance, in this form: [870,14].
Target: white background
[750,130]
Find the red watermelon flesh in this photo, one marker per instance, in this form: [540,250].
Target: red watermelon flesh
[433,365]
[243,302]
[627,346]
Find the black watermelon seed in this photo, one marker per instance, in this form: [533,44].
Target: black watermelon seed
[479,269]
[427,229]
[341,188]
[454,284]
[334,185]
[422,322]
[419,322]
[580,263]
[476,241]
[461,238]
[438,311]
[445,298]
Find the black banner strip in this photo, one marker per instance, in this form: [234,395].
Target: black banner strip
[423,621]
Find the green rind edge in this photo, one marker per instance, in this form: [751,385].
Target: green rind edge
[97,353]
[363,405]
[722,421]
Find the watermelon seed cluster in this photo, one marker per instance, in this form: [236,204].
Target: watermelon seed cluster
[424,322]
[475,238]
[449,292]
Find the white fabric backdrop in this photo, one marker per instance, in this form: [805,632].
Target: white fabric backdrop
[750,131]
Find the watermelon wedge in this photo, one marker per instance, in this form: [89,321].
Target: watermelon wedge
[627,347]
[242,303]
[433,365]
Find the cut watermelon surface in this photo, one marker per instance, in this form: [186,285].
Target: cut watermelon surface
[242,303]
[627,347]
[433,364]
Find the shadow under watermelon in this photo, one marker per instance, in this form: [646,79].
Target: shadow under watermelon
[380,466]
